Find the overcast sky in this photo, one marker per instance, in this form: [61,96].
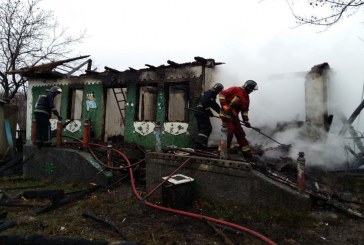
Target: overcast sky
[256,39]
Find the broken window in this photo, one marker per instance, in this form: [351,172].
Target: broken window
[74,110]
[147,103]
[177,101]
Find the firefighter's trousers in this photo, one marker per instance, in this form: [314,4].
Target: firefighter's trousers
[234,128]
[204,130]
[43,128]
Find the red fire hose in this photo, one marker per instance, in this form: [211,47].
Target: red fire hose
[184,213]
[193,215]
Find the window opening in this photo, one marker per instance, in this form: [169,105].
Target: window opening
[74,110]
[147,103]
[177,100]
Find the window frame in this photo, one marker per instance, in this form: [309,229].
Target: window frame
[167,96]
[71,108]
[140,103]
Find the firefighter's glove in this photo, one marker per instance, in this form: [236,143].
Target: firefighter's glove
[59,118]
[225,108]
[247,124]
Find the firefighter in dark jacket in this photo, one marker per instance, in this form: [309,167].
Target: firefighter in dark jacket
[43,110]
[206,102]
[233,101]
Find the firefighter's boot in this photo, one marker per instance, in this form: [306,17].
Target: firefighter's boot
[247,154]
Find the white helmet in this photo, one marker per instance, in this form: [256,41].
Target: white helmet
[56,90]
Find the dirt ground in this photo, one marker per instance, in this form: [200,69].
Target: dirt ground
[145,225]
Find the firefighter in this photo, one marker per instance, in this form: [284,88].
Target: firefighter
[43,110]
[233,101]
[203,114]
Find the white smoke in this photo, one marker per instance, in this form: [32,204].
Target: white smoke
[328,152]
[271,105]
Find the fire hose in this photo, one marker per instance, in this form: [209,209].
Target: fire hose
[180,212]
[192,215]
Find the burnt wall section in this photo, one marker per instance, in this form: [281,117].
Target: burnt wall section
[61,164]
[225,181]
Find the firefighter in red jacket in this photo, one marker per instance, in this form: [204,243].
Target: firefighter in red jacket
[233,101]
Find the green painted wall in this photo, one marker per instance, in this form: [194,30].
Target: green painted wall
[148,141]
[130,136]
[96,115]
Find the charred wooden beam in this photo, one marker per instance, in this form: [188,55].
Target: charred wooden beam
[18,220]
[54,195]
[226,240]
[201,60]
[78,67]
[14,205]
[92,72]
[172,63]
[23,187]
[111,69]
[151,67]
[352,118]
[70,67]
[352,131]
[40,239]
[104,221]
[89,64]
[357,140]
[219,63]
[61,69]
[44,67]
[352,152]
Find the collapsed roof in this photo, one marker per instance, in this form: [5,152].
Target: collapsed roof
[60,69]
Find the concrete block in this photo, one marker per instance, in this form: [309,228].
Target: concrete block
[226,181]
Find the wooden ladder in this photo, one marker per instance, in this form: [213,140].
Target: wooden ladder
[119,101]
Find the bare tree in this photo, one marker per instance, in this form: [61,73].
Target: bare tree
[324,12]
[28,35]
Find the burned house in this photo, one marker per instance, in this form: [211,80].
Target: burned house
[125,107]
[127,104]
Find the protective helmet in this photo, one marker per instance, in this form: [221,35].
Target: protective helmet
[56,90]
[250,86]
[218,87]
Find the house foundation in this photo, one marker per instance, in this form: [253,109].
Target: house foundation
[225,181]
